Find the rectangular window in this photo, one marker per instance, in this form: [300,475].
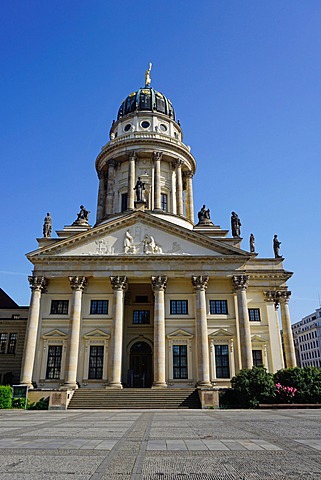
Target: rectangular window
[124,202]
[254,315]
[54,362]
[180,361]
[141,317]
[59,307]
[179,307]
[222,361]
[12,343]
[96,362]
[99,307]
[218,307]
[3,342]
[257,358]
[164,202]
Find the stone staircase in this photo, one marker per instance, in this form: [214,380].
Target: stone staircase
[130,398]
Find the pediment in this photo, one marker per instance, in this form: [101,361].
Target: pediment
[138,234]
[97,334]
[54,333]
[179,334]
[221,332]
[257,339]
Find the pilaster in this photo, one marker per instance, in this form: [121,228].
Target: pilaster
[159,286]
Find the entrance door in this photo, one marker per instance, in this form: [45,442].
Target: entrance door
[140,373]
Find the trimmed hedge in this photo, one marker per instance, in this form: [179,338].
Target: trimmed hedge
[5,397]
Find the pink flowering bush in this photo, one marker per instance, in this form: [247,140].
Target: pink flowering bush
[285,394]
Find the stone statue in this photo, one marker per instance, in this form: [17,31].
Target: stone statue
[150,245]
[236,225]
[252,243]
[82,216]
[47,226]
[128,243]
[147,76]
[204,217]
[276,247]
[139,187]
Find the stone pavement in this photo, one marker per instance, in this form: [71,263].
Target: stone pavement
[160,445]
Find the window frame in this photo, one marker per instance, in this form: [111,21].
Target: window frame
[255,364]
[255,313]
[64,306]
[176,307]
[100,303]
[216,307]
[96,368]
[180,371]
[142,316]
[219,361]
[57,362]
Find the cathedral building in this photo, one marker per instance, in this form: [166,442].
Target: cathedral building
[147,297]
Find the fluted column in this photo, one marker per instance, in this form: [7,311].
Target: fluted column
[159,287]
[77,284]
[173,196]
[157,156]
[101,196]
[37,285]
[240,283]
[289,350]
[131,180]
[110,186]
[119,285]
[200,286]
[189,196]
[179,187]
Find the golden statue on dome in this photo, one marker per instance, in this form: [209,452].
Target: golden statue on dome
[147,76]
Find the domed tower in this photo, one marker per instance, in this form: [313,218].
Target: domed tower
[146,165]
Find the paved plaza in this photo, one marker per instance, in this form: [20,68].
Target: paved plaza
[160,445]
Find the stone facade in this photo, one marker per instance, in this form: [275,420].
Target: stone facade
[146,298]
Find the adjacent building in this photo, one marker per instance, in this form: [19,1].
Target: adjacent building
[307,340]
[147,297]
[13,322]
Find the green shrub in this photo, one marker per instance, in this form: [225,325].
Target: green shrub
[228,398]
[20,403]
[306,380]
[253,386]
[42,404]
[5,397]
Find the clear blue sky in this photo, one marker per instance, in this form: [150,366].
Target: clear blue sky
[244,77]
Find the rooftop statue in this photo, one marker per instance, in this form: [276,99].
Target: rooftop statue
[276,247]
[47,226]
[147,76]
[252,243]
[204,217]
[236,225]
[82,216]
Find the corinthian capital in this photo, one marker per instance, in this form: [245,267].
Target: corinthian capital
[118,283]
[37,284]
[188,174]
[78,283]
[112,163]
[159,283]
[178,163]
[240,282]
[132,155]
[157,155]
[200,282]
[284,296]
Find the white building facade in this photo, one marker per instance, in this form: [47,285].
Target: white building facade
[146,297]
[307,340]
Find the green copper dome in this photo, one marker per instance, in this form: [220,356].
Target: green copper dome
[146,99]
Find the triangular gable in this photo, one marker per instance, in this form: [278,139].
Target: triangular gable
[257,339]
[179,334]
[221,332]
[54,334]
[96,334]
[138,233]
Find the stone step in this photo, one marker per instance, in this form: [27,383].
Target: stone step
[135,398]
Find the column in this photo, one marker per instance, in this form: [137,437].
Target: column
[131,180]
[189,196]
[240,283]
[159,287]
[115,360]
[289,351]
[37,285]
[109,207]
[157,177]
[232,359]
[212,361]
[200,286]
[77,285]
[179,188]
[173,196]
[101,196]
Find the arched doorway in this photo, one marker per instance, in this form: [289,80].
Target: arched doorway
[140,373]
